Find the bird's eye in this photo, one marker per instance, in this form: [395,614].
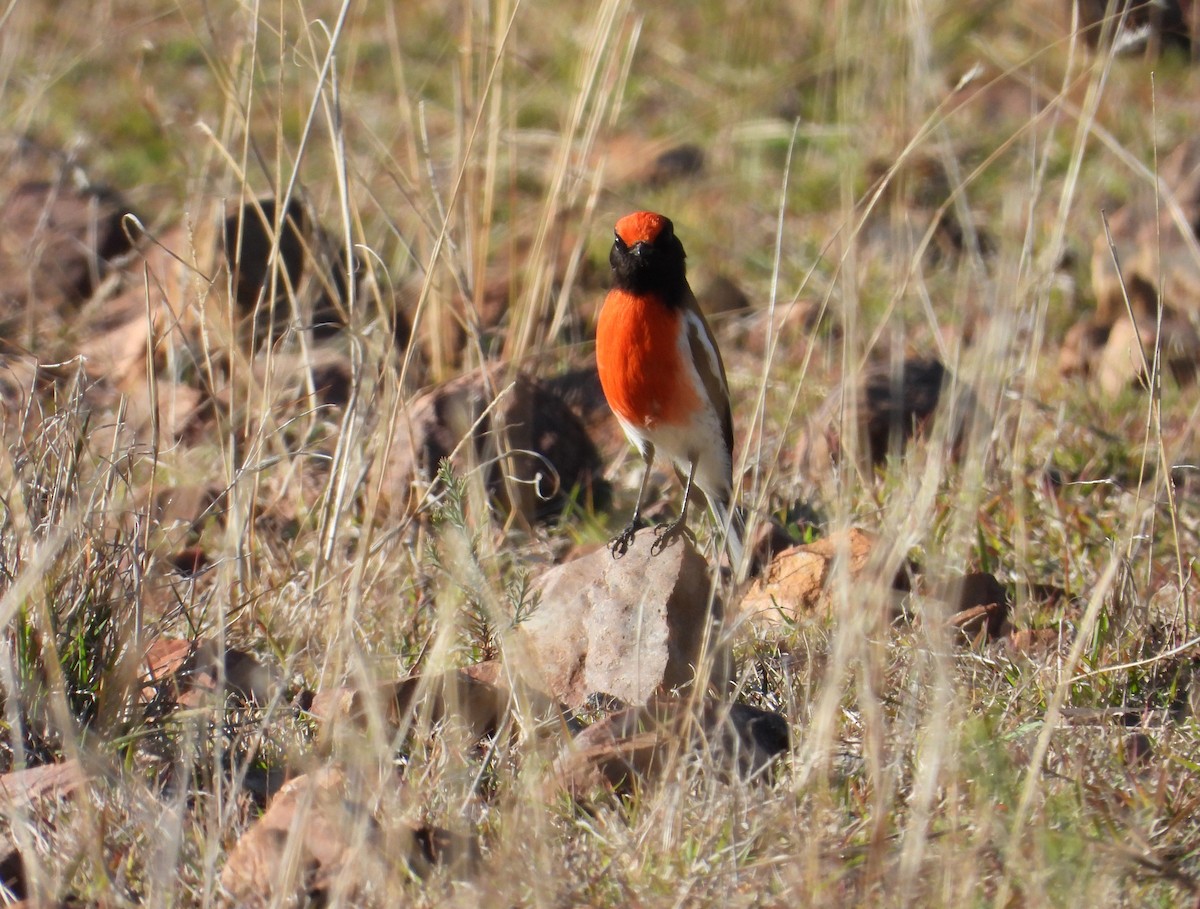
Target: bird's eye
[617,240]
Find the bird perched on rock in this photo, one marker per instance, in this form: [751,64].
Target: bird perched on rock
[663,377]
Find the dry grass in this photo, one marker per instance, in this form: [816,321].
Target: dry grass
[443,144]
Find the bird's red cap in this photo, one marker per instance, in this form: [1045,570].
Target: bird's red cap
[640,227]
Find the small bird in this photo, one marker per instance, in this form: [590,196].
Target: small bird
[663,377]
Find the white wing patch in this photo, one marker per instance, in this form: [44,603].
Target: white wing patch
[695,329]
[680,443]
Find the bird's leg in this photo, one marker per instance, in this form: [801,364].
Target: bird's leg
[619,545]
[665,533]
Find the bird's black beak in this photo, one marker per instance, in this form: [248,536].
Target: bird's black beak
[640,249]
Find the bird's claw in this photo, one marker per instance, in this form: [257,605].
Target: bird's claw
[619,545]
[666,534]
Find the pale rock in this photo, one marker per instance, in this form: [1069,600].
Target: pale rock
[629,627]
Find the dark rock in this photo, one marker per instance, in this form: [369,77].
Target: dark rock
[307,271]
[917,203]
[12,872]
[674,164]
[581,391]
[249,241]
[980,605]
[188,673]
[722,296]
[772,538]
[332,381]
[900,404]
[189,561]
[57,242]
[631,748]
[633,160]
[1081,347]
[187,505]
[893,406]
[1137,27]
[1138,749]
[533,450]
[790,330]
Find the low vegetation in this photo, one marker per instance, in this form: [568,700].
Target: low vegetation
[221,551]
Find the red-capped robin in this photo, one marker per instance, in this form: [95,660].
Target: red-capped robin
[663,377]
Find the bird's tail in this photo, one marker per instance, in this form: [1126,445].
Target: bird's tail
[731,524]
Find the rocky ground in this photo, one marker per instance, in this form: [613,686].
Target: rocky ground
[307,484]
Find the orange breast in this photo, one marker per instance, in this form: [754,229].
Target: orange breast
[638,357]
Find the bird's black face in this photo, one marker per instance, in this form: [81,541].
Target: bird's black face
[649,265]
